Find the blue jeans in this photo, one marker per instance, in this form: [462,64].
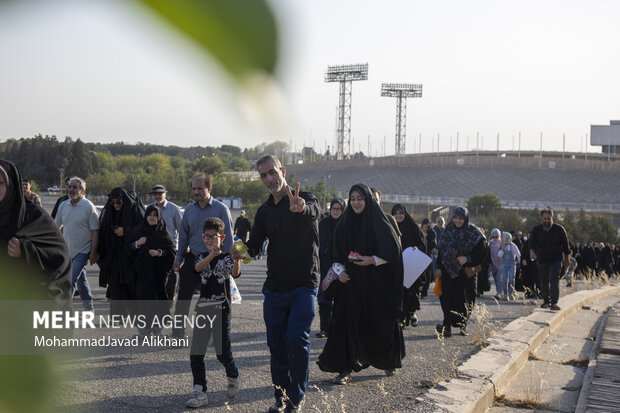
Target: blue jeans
[508,278]
[496,272]
[78,276]
[288,317]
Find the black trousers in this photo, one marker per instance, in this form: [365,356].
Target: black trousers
[219,335]
[189,279]
[171,286]
[453,301]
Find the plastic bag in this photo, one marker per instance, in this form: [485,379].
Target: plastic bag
[437,290]
[235,296]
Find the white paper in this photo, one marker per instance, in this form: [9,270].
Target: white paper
[414,263]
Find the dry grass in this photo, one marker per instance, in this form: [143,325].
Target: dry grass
[577,362]
[526,403]
[484,326]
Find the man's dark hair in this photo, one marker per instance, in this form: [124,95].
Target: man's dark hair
[546,211]
[213,223]
[207,179]
[276,162]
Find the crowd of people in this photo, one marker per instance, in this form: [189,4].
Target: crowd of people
[347,260]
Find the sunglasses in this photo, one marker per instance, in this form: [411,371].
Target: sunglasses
[116,202]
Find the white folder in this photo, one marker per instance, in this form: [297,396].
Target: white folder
[414,263]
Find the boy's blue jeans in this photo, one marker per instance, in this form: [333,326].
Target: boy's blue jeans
[288,318]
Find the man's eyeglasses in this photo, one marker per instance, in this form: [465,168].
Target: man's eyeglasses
[116,202]
[210,237]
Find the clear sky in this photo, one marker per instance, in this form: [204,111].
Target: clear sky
[104,71]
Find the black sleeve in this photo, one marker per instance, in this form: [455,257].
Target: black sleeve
[258,234]
[478,254]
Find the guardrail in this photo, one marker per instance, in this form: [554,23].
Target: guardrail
[509,204]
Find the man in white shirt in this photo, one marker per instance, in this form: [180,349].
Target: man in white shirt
[79,222]
[172,217]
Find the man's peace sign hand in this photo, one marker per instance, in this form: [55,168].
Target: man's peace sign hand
[297,203]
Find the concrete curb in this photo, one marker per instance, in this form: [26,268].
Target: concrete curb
[589,374]
[487,373]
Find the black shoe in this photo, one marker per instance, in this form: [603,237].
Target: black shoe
[390,372]
[343,378]
[555,307]
[423,294]
[414,321]
[278,407]
[321,334]
[544,305]
[443,331]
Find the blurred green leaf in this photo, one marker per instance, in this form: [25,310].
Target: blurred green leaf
[241,34]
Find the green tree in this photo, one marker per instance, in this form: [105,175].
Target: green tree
[483,204]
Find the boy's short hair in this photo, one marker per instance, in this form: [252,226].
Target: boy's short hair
[213,223]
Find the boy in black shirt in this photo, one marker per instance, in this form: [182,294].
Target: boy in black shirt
[215,268]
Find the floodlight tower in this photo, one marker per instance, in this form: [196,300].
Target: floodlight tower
[345,74]
[401,92]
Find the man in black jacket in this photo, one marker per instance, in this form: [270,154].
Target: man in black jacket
[290,221]
[549,246]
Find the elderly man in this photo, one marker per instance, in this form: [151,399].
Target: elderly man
[79,222]
[290,222]
[172,217]
[190,235]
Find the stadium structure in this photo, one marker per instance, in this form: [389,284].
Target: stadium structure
[522,180]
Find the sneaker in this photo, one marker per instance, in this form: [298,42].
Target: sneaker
[544,305]
[555,307]
[390,372]
[497,297]
[464,331]
[414,321]
[533,300]
[343,378]
[233,387]
[199,397]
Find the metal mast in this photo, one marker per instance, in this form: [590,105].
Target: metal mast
[345,74]
[401,92]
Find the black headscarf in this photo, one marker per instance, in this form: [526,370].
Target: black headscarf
[326,231]
[128,217]
[157,237]
[457,242]
[112,249]
[372,298]
[151,272]
[412,235]
[43,246]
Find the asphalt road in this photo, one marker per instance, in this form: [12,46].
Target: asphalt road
[140,380]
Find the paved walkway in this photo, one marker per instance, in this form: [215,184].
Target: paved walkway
[132,380]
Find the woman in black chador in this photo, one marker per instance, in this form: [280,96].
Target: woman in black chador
[412,236]
[365,329]
[462,250]
[326,231]
[120,215]
[153,254]
[28,235]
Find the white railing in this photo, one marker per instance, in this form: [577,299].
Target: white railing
[558,206]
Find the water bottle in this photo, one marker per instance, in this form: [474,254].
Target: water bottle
[240,246]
